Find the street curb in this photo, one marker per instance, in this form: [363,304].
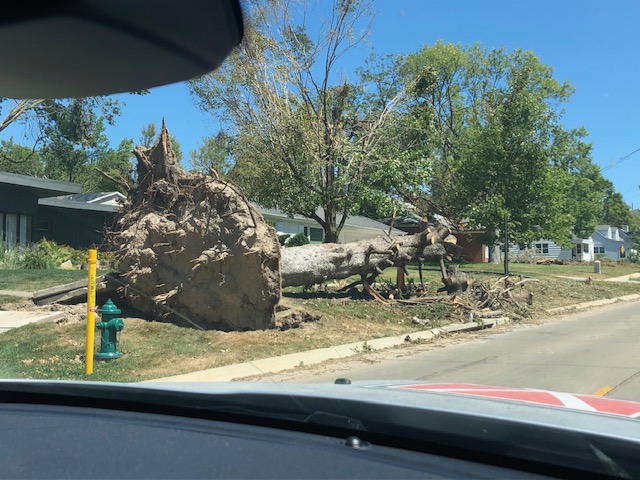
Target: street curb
[594,303]
[313,357]
[319,355]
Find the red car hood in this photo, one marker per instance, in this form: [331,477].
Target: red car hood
[587,403]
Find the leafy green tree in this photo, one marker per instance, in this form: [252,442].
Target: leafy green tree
[305,136]
[74,139]
[614,210]
[149,136]
[35,112]
[16,158]
[69,141]
[487,124]
[111,171]
[214,153]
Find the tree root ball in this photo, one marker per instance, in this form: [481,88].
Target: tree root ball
[193,249]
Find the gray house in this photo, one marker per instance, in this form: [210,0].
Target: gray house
[19,211]
[612,242]
[77,220]
[355,228]
[606,242]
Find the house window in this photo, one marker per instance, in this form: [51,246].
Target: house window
[597,250]
[15,229]
[579,248]
[542,248]
[44,225]
[314,234]
[586,248]
[288,227]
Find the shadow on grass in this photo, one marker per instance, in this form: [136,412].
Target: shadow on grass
[352,294]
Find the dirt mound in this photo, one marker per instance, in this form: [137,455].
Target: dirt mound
[194,250]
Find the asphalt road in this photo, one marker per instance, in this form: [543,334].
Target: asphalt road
[596,352]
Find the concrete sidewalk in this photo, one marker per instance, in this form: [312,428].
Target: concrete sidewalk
[16,293]
[13,319]
[623,278]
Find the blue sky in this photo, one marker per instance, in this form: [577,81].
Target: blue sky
[592,44]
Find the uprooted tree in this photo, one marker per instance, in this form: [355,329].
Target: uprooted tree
[193,249]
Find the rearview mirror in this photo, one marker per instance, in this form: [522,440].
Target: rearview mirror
[59,49]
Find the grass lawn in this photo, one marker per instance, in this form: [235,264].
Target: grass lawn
[432,271]
[33,280]
[570,270]
[154,349]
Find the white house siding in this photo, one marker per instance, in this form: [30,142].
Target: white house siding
[350,234]
[356,228]
[549,249]
[290,228]
[293,228]
[611,246]
[582,250]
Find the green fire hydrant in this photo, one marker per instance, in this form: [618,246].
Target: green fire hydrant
[110,326]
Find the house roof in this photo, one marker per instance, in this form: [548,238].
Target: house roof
[43,187]
[97,202]
[416,221]
[356,221]
[602,234]
[110,198]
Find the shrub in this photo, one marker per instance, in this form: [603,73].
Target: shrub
[10,258]
[528,255]
[283,239]
[46,254]
[57,254]
[38,257]
[297,240]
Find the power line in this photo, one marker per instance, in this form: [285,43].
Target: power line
[619,161]
[632,188]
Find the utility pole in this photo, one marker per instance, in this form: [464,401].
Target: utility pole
[506,245]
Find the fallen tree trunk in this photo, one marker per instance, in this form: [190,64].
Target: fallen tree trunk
[193,250]
[312,264]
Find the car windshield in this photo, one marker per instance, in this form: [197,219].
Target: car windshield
[432,192]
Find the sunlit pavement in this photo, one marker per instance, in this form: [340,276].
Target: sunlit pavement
[11,319]
[592,352]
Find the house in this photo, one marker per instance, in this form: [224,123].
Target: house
[35,208]
[612,242]
[606,242]
[77,220]
[19,210]
[355,228]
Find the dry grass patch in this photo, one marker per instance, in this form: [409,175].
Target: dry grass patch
[154,349]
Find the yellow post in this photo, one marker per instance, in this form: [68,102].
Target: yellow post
[91,312]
